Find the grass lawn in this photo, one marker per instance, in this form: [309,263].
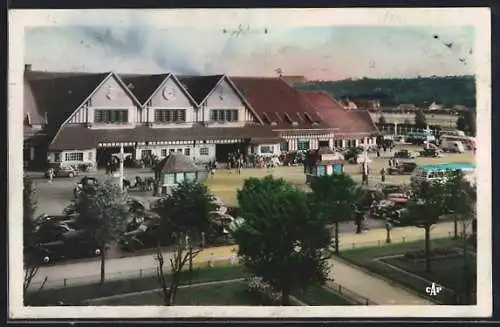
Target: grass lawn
[225,183]
[445,271]
[233,293]
[317,295]
[77,295]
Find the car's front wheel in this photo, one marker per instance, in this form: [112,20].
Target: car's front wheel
[71,175]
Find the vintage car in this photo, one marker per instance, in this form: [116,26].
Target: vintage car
[369,196]
[430,152]
[87,185]
[62,171]
[403,169]
[405,154]
[57,241]
[146,235]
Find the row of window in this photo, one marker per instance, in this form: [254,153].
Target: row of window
[224,115]
[111,116]
[115,116]
[170,115]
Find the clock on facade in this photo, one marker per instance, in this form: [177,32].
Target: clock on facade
[168,93]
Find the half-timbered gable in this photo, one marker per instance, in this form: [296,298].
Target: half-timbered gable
[170,105]
[110,105]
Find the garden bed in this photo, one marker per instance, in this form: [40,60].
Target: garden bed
[389,262]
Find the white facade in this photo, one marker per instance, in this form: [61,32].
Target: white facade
[110,95]
[225,97]
[265,150]
[171,96]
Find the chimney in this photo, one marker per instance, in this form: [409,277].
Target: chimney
[27,67]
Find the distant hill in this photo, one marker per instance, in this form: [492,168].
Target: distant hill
[421,91]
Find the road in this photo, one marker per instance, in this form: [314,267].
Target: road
[136,266]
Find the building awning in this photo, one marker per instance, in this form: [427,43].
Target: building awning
[81,137]
[266,140]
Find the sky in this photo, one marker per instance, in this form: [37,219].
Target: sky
[131,43]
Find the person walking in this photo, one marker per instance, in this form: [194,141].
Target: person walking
[51,174]
[382,175]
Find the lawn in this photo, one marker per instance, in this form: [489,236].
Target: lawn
[77,295]
[225,183]
[231,293]
[317,295]
[445,271]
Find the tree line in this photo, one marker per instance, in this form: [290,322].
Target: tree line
[285,235]
[448,91]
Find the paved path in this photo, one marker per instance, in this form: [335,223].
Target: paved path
[374,289]
[137,266]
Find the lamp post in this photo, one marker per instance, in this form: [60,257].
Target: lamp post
[122,158]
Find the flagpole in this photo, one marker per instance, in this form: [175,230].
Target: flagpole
[122,156]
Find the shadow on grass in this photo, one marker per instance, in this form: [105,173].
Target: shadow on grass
[77,295]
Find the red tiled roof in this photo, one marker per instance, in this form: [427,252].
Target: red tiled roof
[348,122]
[275,101]
[79,137]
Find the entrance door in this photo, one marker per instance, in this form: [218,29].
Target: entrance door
[222,151]
[323,144]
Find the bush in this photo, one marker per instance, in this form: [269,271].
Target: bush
[437,252]
[263,291]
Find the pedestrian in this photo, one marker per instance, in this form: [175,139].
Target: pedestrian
[382,175]
[396,163]
[240,165]
[51,174]
[108,168]
[378,153]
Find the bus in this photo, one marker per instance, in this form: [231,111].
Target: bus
[436,172]
[469,142]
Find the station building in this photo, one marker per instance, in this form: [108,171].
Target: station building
[76,118]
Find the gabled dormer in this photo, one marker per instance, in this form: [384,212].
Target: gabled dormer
[110,105]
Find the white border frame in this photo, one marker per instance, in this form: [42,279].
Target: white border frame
[477,17]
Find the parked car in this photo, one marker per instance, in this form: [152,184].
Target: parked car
[62,171]
[87,185]
[370,195]
[430,152]
[405,154]
[59,241]
[403,169]
[147,235]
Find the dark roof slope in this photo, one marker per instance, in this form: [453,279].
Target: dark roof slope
[276,101]
[143,86]
[57,98]
[199,86]
[79,137]
[177,163]
[348,122]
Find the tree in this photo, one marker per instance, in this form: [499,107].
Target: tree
[424,209]
[29,238]
[461,123]
[420,119]
[186,211]
[282,237]
[470,122]
[179,257]
[453,192]
[103,215]
[381,120]
[336,196]
[466,212]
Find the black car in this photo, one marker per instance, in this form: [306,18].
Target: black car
[87,185]
[404,168]
[430,152]
[145,236]
[404,154]
[59,241]
[369,196]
